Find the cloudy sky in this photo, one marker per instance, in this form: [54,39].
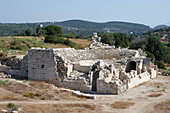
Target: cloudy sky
[149,12]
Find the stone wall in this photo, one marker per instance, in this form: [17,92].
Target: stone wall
[79,85]
[80,68]
[41,64]
[14,63]
[138,79]
[5,69]
[24,67]
[111,87]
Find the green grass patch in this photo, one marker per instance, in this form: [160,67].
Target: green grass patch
[4,82]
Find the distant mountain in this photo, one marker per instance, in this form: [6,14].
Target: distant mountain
[85,28]
[168,24]
[160,27]
[114,26]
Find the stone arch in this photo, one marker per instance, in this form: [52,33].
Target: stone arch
[130,66]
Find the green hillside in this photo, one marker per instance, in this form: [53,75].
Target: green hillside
[163,34]
[83,28]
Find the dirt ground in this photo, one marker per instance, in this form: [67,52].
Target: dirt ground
[39,97]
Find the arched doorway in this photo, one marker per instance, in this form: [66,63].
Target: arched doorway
[130,66]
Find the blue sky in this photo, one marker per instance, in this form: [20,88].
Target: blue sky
[149,12]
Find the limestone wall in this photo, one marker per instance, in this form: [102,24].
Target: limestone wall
[81,68]
[79,85]
[138,79]
[103,87]
[41,65]
[24,66]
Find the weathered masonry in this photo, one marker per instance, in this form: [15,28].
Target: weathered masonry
[99,68]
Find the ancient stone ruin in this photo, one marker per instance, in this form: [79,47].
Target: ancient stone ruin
[100,68]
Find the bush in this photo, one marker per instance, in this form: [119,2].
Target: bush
[13,43]
[13,47]
[19,48]
[10,105]
[160,64]
[34,34]
[30,95]
[28,32]
[53,39]
[43,98]
[20,34]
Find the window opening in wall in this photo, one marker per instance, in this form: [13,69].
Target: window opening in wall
[42,66]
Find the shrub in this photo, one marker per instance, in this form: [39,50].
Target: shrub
[160,64]
[24,81]
[20,34]
[19,48]
[12,47]
[43,98]
[30,95]
[13,43]
[10,105]
[37,95]
[53,39]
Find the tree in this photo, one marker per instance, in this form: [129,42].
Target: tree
[138,43]
[121,40]
[54,30]
[28,32]
[40,31]
[155,47]
[131,37]
[108,39]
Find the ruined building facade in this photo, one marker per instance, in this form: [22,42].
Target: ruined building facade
[100,68]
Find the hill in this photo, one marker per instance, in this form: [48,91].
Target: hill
[160,27]
[85,28]
[163,34]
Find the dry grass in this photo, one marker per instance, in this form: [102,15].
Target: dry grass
[163,107]
[61,108]
[122,104]
[157,84]
[155,95]
[33,90]
[81,42]
[10,96]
